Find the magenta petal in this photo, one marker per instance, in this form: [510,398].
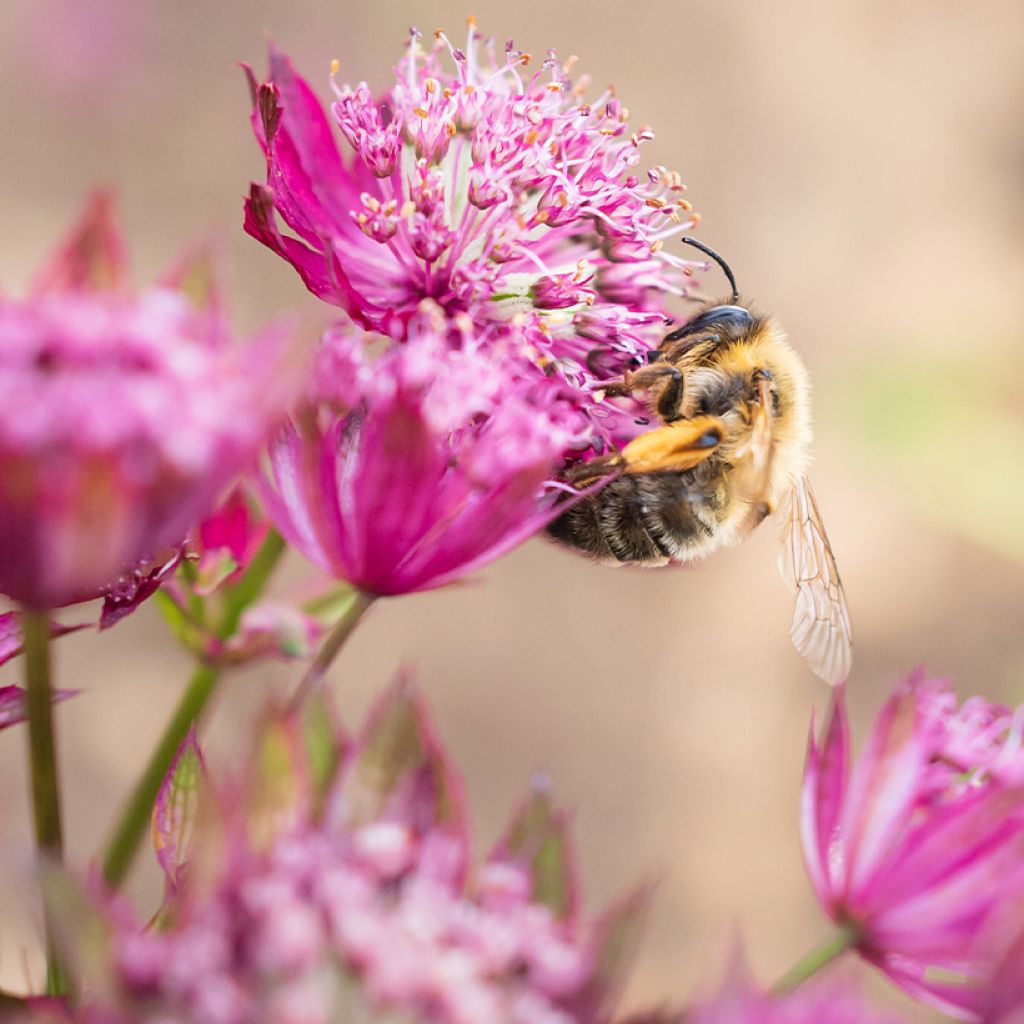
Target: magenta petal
[1004,998]
[947,845]
[962,1001]
[883,787]
[311,265]
[13,707]
[136,589]
[11,639]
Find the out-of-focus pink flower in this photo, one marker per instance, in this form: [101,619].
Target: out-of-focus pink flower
[919,844]
[333,885]
[832,999]
[490,189]
[123,415]
[430,463]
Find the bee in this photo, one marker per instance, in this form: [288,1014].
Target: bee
[732,449]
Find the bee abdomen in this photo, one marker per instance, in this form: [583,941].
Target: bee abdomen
[644,518]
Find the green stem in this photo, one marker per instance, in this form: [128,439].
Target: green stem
[354,611]
[844,939]
[137,812]
[42,755]
[134,819]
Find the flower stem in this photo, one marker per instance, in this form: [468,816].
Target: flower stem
[844,939]
[135,817]
[131,826]
[354,611]
[42,756]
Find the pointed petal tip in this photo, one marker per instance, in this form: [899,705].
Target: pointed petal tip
[92,254]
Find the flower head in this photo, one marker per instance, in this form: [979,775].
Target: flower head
[488,185]
[419,466]
[326,894]
[919,844]
[122,416]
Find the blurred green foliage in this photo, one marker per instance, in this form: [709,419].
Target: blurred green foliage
[949,436]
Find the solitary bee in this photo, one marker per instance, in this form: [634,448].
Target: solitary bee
[733,449]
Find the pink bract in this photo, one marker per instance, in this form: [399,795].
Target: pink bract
[830,999]
[488,187]
[430,463]
[918,844]
[123,415]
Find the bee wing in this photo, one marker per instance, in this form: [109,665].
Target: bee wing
[820,629]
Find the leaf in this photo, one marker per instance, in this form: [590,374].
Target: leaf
[175,811]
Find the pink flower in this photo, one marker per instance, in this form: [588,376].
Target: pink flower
[430,463]
[123,415]
[918,845]
[831,999]
[490,189]
[344,894]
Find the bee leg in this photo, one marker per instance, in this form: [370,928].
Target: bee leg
[585,473]
[670,400]
[675,448]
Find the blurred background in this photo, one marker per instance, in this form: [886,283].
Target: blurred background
[861,165]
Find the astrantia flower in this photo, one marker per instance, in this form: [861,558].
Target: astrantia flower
[489,188]
[917,847]
[427,463]
[833,999]
[319,898]
[122,416]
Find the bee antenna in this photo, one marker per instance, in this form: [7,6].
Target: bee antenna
[718,259]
